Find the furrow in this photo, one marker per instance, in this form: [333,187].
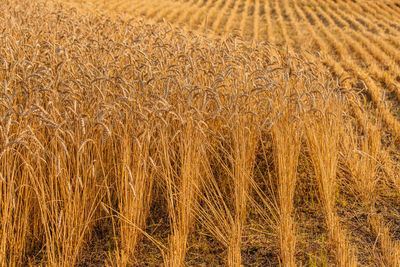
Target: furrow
[256,20]
[388,12]
[231,19]
[107,5]
[142,8]
[178,12]
[388,33]
[165,12]
[376,13]
[383,66]
[290,24]
[216,24]
[363,26]
[131,7]
[244,17]
[374,91]
[212,14]
[267,16]
[377,96]
[188,14]
[152,11]
[201,16]
[284,38]
[395,6]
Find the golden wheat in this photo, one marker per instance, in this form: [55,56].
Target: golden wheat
[126,143]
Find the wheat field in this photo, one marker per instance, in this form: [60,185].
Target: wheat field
[199,133]
[359,38]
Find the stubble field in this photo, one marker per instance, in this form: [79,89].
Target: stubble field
[199,133]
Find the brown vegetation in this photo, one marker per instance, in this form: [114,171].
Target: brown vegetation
[126,143]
